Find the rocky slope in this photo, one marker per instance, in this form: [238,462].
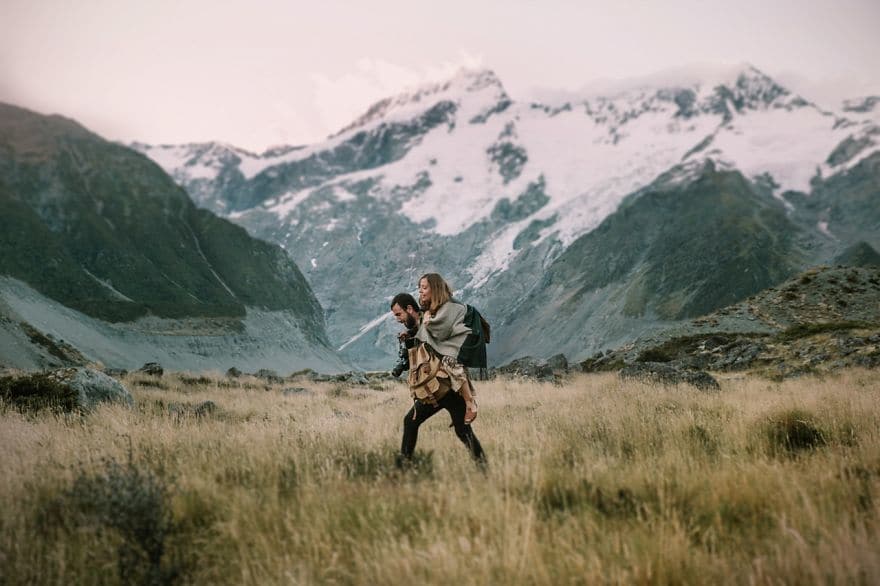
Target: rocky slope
[95,233]
[460,178]
[821,319]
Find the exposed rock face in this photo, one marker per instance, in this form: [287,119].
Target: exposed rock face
[526,367]
[669,375]
[823,319]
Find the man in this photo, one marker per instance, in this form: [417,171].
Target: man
[407,312]
[439,382]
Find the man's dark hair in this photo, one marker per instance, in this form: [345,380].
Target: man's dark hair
[405,300]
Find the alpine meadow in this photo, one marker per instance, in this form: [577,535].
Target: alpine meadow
[481,293]
[215,480]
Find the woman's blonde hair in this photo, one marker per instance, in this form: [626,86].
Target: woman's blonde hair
[441,292]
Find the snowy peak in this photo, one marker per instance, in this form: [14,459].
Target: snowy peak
[189,162]
[754,90]
[477,92]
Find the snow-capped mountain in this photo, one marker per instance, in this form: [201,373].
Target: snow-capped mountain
[460,178]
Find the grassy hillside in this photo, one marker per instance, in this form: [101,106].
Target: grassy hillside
[685,250]
[594,481]
[104,230]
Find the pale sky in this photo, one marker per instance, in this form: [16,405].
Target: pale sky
[257,73]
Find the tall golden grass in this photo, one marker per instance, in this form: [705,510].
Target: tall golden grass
[593,481]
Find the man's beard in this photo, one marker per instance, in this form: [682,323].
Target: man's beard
[410,322]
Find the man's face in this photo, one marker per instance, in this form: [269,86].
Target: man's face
[399,314]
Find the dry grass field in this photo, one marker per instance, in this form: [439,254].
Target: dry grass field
[594,481]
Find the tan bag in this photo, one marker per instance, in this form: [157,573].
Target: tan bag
[427,381]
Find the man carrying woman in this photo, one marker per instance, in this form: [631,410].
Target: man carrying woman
[437,379]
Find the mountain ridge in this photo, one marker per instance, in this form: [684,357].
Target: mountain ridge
[103,231]
[477,197]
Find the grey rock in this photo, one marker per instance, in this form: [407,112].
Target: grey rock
[92,387]
[152,369]
[115,372]
[868,361]
[527,367]
[668,374]
[357,378]
[558,362]
[269,376]
[233,373]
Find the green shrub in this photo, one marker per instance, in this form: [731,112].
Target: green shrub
[36,392]
[357,463]
[656,354]
[152,384]
[794,431]
[196,380]
[134,504]
[558,494]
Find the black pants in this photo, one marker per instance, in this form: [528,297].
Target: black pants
[421,412]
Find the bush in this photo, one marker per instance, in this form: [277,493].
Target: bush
[36,392]
[559,494]
[656,354]
[794,431]
[134,504]
[357,463]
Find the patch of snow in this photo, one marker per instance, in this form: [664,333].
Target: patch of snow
[823,228]
[287,203]
[109,286]
[372,324]
[789,145]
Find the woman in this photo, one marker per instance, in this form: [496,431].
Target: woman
[437,379]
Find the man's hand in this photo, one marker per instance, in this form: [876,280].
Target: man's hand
[402,335]
[471,412]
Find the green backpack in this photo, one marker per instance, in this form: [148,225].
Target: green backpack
[473,351]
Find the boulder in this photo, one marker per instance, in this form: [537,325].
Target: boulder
[65,390]
[92,387]
[233,373]
[527,367]
[270,376]
[558,362]
[152,369]
[115,372]
[667,374]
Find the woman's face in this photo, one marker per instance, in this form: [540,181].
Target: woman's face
[424,292]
